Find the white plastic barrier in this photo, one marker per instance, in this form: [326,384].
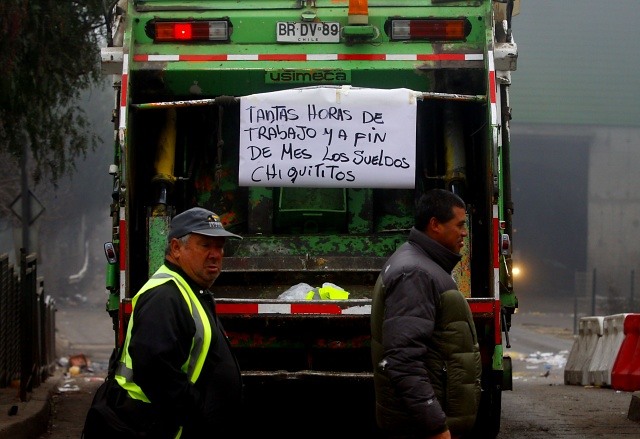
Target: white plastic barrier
[607,350]
[576,370]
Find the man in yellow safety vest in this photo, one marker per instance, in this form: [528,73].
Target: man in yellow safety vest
[177,376]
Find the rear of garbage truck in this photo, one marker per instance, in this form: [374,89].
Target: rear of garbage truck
[311,127]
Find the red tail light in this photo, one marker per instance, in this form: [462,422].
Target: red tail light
[168,31]
[428,29]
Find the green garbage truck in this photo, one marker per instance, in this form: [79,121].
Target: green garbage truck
[311,127]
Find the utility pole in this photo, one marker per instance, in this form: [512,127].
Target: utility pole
[26,200]
[26,329]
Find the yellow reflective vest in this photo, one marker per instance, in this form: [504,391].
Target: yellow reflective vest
[201,340]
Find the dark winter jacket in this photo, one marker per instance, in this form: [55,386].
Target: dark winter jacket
[424,345]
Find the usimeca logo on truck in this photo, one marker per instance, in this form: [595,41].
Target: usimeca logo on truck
[305,76]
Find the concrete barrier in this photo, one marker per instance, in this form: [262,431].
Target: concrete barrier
[590,331]
[607,350]
[625,374]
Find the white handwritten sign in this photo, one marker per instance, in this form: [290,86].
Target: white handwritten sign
[328,137]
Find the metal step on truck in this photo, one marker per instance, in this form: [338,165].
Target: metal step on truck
[311,127]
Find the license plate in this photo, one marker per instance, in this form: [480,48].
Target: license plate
[307,32]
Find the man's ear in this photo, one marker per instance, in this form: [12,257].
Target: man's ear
[433,228]
[174,246]
[433,224]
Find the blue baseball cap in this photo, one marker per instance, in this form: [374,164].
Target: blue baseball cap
[200,221]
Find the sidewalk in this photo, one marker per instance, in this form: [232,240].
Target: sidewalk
[62,399]
[29,419]
[83,331]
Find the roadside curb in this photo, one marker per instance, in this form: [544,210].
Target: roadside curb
[31,419]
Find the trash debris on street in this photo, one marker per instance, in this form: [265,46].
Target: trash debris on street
[69,386]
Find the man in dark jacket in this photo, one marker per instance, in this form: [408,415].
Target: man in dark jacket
[424,346]
[177,376]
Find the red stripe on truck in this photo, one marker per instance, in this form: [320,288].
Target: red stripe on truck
[314,308]
[142,57]
[237,308]
[277,308]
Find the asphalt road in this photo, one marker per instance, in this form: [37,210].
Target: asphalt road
[540,404]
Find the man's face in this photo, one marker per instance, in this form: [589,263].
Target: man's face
[451,234]
[200,257]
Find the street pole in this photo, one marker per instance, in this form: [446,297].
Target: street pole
[26,201]
[26,325]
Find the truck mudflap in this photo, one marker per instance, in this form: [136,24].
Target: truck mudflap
[507,376]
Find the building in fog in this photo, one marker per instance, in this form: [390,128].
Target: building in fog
[576,151]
